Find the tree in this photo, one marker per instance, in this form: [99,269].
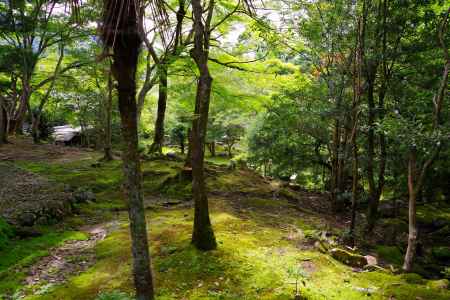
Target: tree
[121,34]
[416,173]
[203,235]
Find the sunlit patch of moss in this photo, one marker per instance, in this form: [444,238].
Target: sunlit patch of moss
[254,259]
[80,173]
[427,214]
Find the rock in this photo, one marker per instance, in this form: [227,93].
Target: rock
[348,258]
[27,232]
[27,219]
[442,284]
[68,188]
[173,156]
[371,260]
[82,196]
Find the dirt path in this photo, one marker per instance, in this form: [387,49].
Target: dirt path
[63,262]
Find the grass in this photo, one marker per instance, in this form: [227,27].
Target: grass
[251,262]
[258,257]
[22,253]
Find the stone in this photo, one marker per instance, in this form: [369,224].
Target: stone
[27,219]
[348,258]
[27,232]
[371,260]
[81,196]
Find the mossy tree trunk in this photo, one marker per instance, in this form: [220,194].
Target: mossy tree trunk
[158,138]
[203,235]
[107,149]
[120,32]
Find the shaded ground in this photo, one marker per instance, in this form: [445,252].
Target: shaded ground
[20,148]
[265,233]
[27,198]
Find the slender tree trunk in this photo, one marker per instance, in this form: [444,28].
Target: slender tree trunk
[212,148]
[35,123]
[188,162]
[122,34]
[372,211]
[158,138]
[412,235]
[19,116]
[3,123]
[335,167]
[203,235]
[108,114]
[182,145]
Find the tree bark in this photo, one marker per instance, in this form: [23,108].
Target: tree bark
[158,138]
[121,33]
[108,114]
[3,123]
[412,235]
[203,235]
[188,161]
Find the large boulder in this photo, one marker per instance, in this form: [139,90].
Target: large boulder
[348,258]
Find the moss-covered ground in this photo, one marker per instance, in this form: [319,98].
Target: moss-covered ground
[264,243]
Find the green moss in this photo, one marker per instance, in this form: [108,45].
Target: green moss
[22,253]
[439,284]
[412,278]
[254,259]
[6,233]
[390,254]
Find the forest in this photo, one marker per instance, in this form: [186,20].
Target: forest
[224,149]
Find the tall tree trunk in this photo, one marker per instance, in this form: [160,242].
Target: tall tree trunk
[415,180]
[108,114]
[158,138]
[203,235]
[374,197]
[412,235]
[122,34]
[357,91]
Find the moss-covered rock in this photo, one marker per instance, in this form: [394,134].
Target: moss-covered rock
[348,258]
[438,284]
